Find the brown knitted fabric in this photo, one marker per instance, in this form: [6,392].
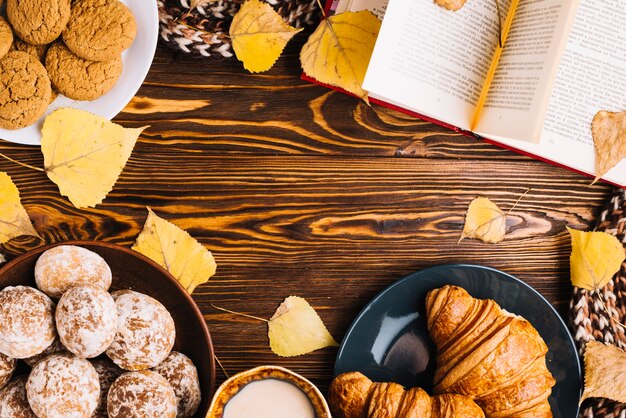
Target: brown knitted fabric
[588,317]
[203,31]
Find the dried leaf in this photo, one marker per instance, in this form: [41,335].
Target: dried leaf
[14,220]
[609,137]
[339,50]
[605,368]
[453,5]
[296,329]
[259,35]
[84,154]
[484,221]
[595,258]
[176,251]
[195,3]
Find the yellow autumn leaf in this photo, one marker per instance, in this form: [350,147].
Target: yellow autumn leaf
[296,329]
[14,220]
[84,154]
[176,251]
[609,138]
[484,221]
[605,368]
[339,50]
[259,35]
[595,258]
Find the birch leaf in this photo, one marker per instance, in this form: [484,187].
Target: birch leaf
[296,329]
[484,221]
[14,220]
[609,137]
[605,368]
[453,5]
[339,50]
[259,35]
[84,154]
[176,251]
[595,258]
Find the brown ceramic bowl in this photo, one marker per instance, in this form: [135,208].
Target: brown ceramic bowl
[132,270]
[232,386]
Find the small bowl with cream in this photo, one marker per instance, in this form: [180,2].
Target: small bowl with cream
[268,391]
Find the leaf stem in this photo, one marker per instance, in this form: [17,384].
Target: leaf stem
[606,309]
[22,164]
[239,313]
[319,3]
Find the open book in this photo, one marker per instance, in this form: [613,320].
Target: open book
[561,62]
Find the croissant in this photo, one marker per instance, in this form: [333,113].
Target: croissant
[352,395]
[488,354]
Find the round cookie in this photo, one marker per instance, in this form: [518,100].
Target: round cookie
[99,30]
[38,22]
[143,394]
[182,375]
[80,79]
[86,319]
[63,385]
[26,322]
[24,90]
[37,51]
[6,37]
[108,372]
[13,400]
[61,268]
[55,348]
[7,367]
[145,334]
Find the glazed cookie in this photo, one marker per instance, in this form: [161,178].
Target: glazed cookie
[63,385]
[38,22]
[143,394]
[6,37]
[80,79]
[99,30]
[182,375]
[86,319]
[24,90]
[145,334]
[7,367]
[108,372]
[26,322]
[37,51]
[13,400]
[61,268]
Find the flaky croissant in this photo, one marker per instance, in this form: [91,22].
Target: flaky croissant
[352,395]
[485,353]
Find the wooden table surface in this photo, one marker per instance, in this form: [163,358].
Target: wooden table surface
[298,190]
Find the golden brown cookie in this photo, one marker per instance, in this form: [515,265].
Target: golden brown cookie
[38,22]
[37,51]
[99,30]
[24,90]
[80,79]
[6,37]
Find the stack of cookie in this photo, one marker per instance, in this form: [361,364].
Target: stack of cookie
[70,46]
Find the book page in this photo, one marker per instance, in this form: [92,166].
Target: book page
[519,93]
[434,61]
[590,78]
[378,7]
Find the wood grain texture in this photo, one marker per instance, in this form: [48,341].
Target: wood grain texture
[300,190]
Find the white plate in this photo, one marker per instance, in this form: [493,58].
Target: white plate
[137,60]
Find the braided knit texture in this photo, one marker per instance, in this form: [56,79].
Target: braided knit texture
[597,315]
[203,31]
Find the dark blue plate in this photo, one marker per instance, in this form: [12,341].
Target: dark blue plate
[389,341]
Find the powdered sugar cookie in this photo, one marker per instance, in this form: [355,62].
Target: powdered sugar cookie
[26,322]
[143,394]
[66,266]
[7,367]
[182,375]
[13,400]
[145,334]
[63,385]
[86,319]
